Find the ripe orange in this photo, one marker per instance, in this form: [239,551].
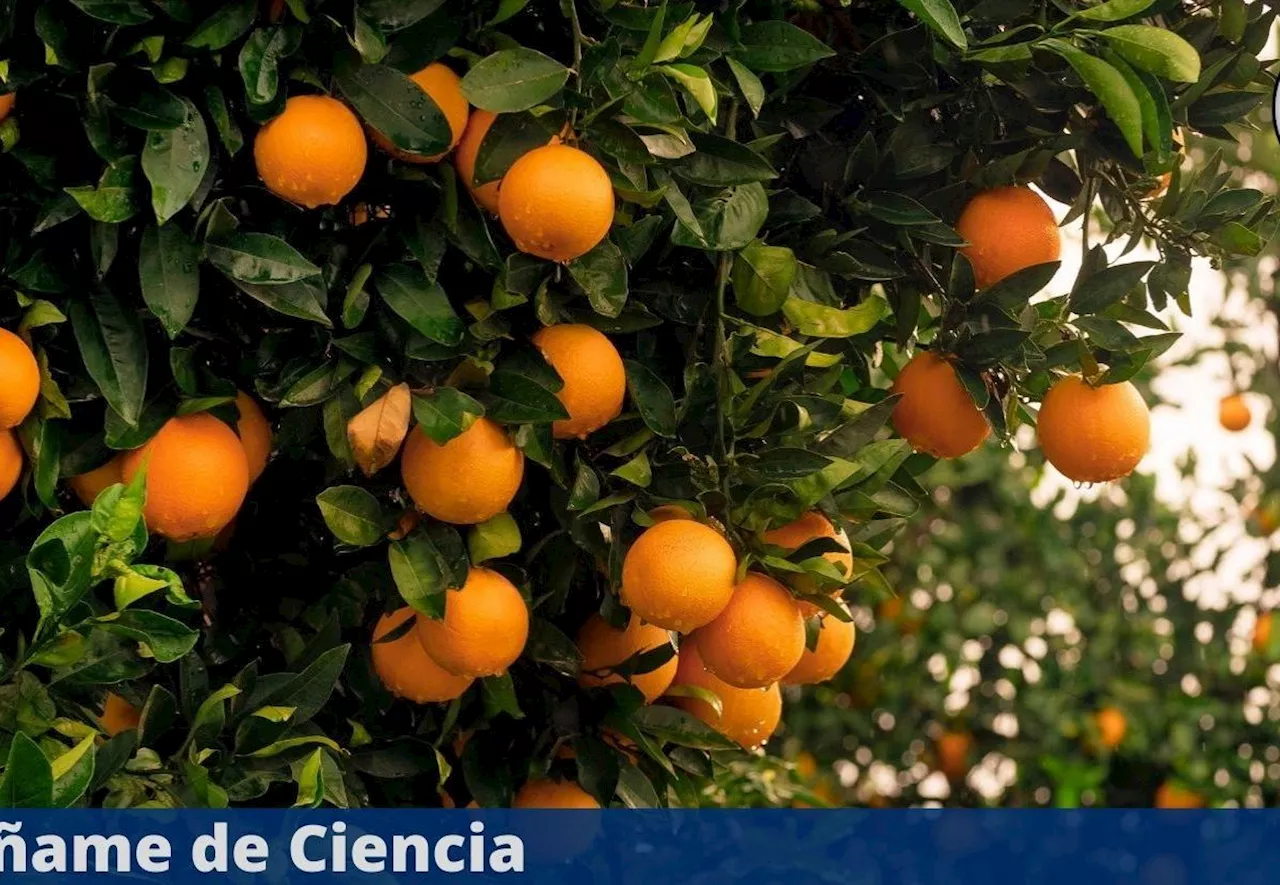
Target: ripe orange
[603,646]
[484,628]
[810,527]
[469,479]
[88,486]
[1093,434]
[748,716]
[679,574]
[556,202]
[7,102]
[1173,795]
[893,611]
[666,512]
[313,153]
[1233,413]
[118,715]
[10,462]
[1112,725]
[445,89]
[197,477]
[1008,229]
[952,748]
[835,645]
[468,151]
[546,793]
[19,380]
[595,381]
[255,433]
[758,638]
[936,413]
[1261,631]
[406,670]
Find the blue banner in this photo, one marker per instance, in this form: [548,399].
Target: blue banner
[651,847]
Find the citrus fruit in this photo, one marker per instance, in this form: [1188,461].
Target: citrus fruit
[952,748]
[197,477]
[469,479]
[313,153]
[445,89]
[1093,434]
[255,433]
[10,462]
[1172,795]
[936,414]
[118,715]
[468,151]
[406,670]
[7,102]
[1261,629]
[759,636]
[556,202]
[679,574]
[835,645]
[666,512]
[603,646]
[484,628]
[1111,725]
[893,611]
[1008,229]
[810,527]
[595,381]
[88,486]
[19,380]
[747,716]
[1233,413]
[547,793]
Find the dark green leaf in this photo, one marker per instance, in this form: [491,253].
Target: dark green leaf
[258,259]
[114,349]
[779,46]
[513,80]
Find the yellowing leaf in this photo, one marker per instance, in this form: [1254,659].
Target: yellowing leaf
[376,433]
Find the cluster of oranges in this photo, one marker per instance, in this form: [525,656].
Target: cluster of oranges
[1089,432]
[555,202]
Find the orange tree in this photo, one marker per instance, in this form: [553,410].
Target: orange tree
[622,286]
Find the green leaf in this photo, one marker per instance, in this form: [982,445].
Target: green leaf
[1156,50]
[602,274]
[1016,290]
[494,539]
[941,17]
[421,304]
[638,471]
[167,639]
[396,15]
[116,12]
[114,349]
[115,199]
[821,321]
[260,62]
[396,107]
[652,398]
[513,80]
[28,776]
[748,84]
[719,162]
[729,220]
[445,412]
[259,259]
[499,697]
[425,565]
[73,773]
[353,515]
[304,299]
[1113,10]
[229,23]
[775,46]
[696,82]
[1099,291]
[309,691]
[175,162]
[522,390]
[1111,88]
[509,138]
[169,275]
[762,277]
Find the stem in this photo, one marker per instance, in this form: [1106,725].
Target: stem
[721,364]
[578,37]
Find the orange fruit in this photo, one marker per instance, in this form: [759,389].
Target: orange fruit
[1172,795]
[1233,413]
[1093,434]
[19,380]
[313,153]
[835,645]
[936,414]
[758,638]
[810,527]
[255,433]
[1112,725]
[468,150]
[10,462]
[595,381]
[546,793]
[679,574]
[604,646]
[556,202]
[88,486]
[197,477]
[1261,630]
[118,715]
[748,716]
[406,669]
[469,479]
[444,88]
[893,610]
[952,748]
[1008,229]
[7,102]
[484,628]
[666,512]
